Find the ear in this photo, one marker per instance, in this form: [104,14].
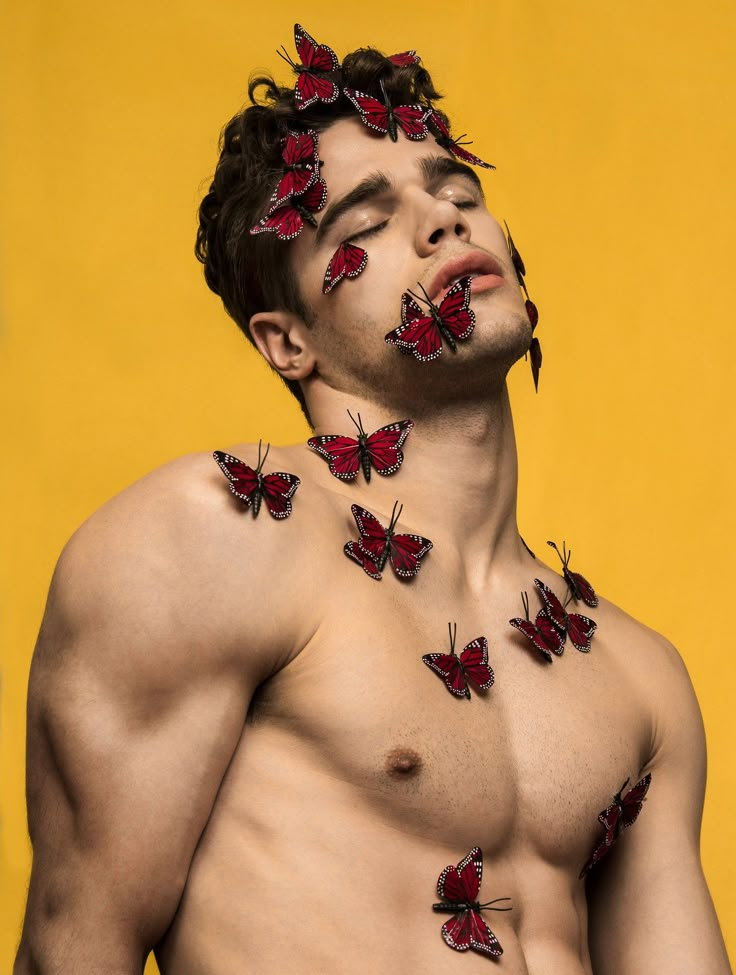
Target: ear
[282,338]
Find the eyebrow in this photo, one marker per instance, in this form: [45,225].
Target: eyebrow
[434,169]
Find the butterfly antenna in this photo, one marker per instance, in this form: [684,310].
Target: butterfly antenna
[353,419]
[259,456]
[525,601]
[360,425]
[426,296]
[385,96]
[495,901]
[262,462]
[453,634]
[285,57]
[623,787]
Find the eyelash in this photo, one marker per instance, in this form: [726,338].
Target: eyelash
[461,205]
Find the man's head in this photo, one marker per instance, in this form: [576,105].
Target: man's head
[411,205]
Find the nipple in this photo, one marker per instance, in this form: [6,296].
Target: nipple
[402,762]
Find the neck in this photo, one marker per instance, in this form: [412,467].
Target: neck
[458,482]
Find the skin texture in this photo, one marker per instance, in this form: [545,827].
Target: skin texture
[235,753]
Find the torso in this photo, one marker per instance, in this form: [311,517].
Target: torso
[358,777]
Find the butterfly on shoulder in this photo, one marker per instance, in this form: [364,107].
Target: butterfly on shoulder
[252,487]
[377,545]
[579,628]
[441,132]
[287,219]
[458,886]
[387,119]
[579,586]
[621,814]
[318,61]
[456,670]
[421,332]
[543,634]
[381,450]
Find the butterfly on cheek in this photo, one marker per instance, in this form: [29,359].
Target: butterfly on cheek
[456,670]
[348,261]
[252,487]
[421,332]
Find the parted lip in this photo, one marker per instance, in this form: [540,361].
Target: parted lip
[475,262]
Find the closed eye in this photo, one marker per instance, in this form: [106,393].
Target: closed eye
[368,232]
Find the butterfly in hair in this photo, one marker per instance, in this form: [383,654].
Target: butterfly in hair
[404,59]
[421,332]
[617,817]
[579,628]
[579,586]
[348,261]
[287,219]
[377,545]
[386,118]
[457,669]
[443,138]
[317,62]
[458,886]
[381,450]
[543,633]
[252,487]
[301,166]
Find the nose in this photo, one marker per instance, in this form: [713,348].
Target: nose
[440,222]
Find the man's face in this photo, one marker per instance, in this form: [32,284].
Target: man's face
[414,208]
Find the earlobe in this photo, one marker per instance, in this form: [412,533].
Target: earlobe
[282,339]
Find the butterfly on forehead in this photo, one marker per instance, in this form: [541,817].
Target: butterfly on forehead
[443,138]
[579,586]
[622,813]
[421,332]
[287,219]
[317,62]
[377,545]
[387,119]
[456,670]
[458,886]
[381,450]
[252,487]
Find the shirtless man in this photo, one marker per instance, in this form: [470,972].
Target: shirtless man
[237,757]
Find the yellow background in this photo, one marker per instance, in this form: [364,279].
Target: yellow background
[612,128]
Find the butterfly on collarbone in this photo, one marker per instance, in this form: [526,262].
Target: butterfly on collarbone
[579,628]
[578,585]
[252,487]
[456,670]
[318,61]
[421,332]
[378,545]
[381,450]
[286,219]
[542,633]
[443,138]
[387,119]
[622,813]
[458,886]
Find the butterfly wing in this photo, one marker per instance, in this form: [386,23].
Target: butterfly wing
[474,659]
[455,312]
[552,604]
[581,588]
[342,454]
[412,119]
[354,552]
[302,162]
[372,533]
[580,629]
[406,553]
[404,59]
[347,262]
[384,446]
[418,333]
[482,939]
[467,157]
[243,479]
[543,634]
[443,137]
[633,800]
[535,357]
[284,220]
[372,112]
[460,884]
[448,667]
[314,56]
[278,489]
[456,931]
[313,199]
[310,88]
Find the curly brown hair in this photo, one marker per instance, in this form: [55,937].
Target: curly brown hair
[250,273]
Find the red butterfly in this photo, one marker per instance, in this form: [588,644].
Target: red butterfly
[580,588]
[421,334]
[618,816]
[455,670]
[542,632]
[251,486]
[301,164]
[316,61]
[455,146]
[347,262]
[535,349]
[579,628]
[381,449]
[383,117]
[287,219]
[404,59]
[459,886]
[377,544]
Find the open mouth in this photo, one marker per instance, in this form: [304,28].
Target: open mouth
[484,270]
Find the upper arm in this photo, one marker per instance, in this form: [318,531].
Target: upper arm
[649,902]
[137,699]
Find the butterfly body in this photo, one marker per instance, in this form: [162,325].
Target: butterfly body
[458,886]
